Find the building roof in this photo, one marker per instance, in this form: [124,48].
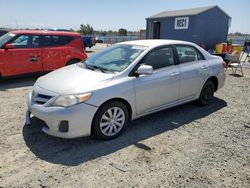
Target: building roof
[184,12]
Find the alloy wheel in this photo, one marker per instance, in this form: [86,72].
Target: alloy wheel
[112,121]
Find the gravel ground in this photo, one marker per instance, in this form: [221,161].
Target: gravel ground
[187,146]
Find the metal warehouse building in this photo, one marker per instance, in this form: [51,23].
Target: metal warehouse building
[205,25]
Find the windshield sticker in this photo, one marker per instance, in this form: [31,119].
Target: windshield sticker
[12,34]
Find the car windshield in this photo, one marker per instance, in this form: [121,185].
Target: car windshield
[5,38]
[115,59]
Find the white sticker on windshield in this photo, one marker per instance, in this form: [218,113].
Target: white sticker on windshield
[12,34]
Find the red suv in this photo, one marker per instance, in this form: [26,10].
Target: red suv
[23,52]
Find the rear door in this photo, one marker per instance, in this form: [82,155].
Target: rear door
[193,69]
[25,57]
[55,51]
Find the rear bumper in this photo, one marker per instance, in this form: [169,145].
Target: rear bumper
[79,118]
[221,79]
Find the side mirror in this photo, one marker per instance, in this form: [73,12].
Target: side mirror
[9,46]
[145,69]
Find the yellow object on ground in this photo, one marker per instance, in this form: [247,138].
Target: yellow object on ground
[238,48]
[221,48]
[218,48]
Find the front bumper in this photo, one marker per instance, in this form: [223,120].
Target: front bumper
[79,118]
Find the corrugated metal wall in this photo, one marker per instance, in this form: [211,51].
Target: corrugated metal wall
[209,28]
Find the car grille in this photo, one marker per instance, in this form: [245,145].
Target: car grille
[40,98]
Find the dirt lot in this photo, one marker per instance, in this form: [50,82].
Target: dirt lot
[188,146]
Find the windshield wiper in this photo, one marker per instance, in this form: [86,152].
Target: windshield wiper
[93,67]
[89,66]
[100,68]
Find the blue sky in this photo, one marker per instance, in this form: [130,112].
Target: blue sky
[108,14]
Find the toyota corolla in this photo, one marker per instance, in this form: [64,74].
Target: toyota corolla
[129,80]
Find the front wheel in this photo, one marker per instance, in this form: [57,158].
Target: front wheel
[207,93]
[110,120]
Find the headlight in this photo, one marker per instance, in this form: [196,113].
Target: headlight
[69,100]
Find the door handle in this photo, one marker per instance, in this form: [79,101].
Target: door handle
[204,66]
[34,59]
[174,74]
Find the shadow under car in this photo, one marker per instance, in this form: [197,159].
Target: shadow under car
[76,151]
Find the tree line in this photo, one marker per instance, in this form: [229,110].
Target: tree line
[238,34]
[89,30]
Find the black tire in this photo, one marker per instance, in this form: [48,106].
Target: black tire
[73,61]
[207,93]
[96,126]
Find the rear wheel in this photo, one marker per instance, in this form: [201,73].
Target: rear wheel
[110,120]
[207,93]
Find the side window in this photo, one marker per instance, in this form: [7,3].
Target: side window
[200,56]
[188,54]
[26,41]
[53,40]
[21,41]
[160,58]
[34,41]
[67,39]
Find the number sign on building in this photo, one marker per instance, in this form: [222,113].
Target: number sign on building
[181,23]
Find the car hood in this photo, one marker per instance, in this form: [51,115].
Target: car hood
[73,79]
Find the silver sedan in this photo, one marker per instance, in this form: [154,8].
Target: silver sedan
[121,83]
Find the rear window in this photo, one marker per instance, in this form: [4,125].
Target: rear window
[54,40]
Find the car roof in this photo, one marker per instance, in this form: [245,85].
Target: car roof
[156,42]
[153,43]
[45,32]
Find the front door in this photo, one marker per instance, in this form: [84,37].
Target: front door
[25,57]
[160,88]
